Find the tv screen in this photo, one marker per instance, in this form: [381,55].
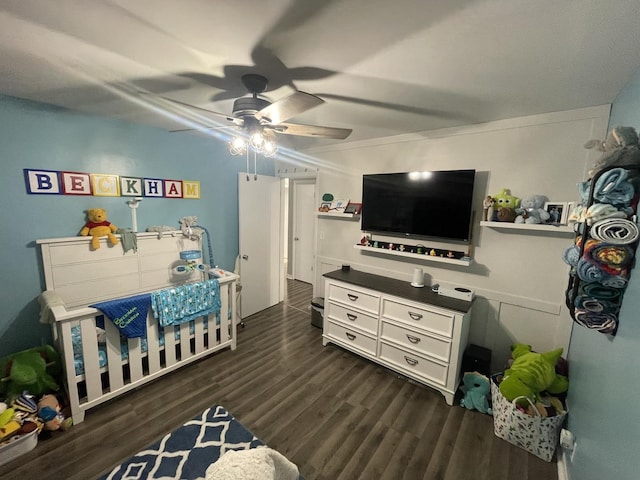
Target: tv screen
[423,204]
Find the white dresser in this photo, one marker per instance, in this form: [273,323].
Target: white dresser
[412,331]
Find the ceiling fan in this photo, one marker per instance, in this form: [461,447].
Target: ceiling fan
[258,116]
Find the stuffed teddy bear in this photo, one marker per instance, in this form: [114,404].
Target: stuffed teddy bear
[530,210]
[28,370]
[619,148]
[532,373]
[477,389]
[98,226]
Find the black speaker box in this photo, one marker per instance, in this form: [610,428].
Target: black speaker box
[477,359]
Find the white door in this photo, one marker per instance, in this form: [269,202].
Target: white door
[259,238]
[303,230]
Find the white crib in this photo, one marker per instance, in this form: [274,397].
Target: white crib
[76,277]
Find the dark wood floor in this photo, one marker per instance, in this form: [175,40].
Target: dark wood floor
[332,413]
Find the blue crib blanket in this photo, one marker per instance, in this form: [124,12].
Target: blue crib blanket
[186,302]
[128,314]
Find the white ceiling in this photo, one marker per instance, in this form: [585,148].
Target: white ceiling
[384,67]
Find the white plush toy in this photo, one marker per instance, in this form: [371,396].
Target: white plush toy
[531,210]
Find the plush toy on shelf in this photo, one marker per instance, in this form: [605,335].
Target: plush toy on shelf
[98,226]
[532,373]
[477,390]
[531,210]
[505,204]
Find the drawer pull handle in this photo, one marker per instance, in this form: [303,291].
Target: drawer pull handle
[352,317]
[352,297]
[415,316]
[411,361]
[413,339]
[351,336]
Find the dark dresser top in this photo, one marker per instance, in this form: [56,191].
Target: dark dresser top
[399,288]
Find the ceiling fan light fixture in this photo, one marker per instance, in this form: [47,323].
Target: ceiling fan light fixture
[237,146]
[269,148]
[257,141]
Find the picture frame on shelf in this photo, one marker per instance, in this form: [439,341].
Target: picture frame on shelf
[570,207]
[353,208]
[558,212]
[324,205]
[339,204]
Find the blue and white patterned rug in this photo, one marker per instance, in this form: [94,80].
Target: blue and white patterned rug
[187,452]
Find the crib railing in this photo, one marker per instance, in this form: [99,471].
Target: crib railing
[133,362]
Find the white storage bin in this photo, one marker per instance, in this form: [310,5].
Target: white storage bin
[19,446]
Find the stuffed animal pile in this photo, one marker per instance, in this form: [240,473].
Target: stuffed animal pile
[25,377]
[531,374]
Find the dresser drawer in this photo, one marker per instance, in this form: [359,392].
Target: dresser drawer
[432,320]
[421,342]
[351,338]
[352,318]
[416,364]
[354,298]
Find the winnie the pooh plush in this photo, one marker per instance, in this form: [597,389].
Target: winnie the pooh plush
[98,226]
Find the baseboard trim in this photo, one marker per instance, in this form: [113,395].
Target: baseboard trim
[563,472]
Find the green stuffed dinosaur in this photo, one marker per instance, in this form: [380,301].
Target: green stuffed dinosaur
[532,373]
[29,370]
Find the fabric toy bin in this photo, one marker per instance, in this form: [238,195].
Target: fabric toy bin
[537,435]
[21,445]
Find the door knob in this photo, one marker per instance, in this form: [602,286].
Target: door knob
[296,238]
[245,257]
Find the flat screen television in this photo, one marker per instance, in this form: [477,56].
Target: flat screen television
[434,204]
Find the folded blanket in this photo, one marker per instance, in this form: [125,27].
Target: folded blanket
[606,323]
[571,256]
[601,292]
[48,299]
[612,259]
[186,302]
[261,463]
[612,187]
[617,231]
[616,281]
[588,272]
[128,314]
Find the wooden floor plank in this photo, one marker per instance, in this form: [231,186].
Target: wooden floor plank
[333,413]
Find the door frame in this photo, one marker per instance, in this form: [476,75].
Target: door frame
[293,227]
[305,177]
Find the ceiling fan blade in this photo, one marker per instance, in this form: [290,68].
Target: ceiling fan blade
[288,107]
[204,127]
[237,121]
[311,130]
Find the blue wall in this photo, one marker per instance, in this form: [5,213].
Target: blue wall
[605,373]
[39,136]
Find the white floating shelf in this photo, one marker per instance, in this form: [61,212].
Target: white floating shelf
[344,216]
[421,256]
[531,227]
